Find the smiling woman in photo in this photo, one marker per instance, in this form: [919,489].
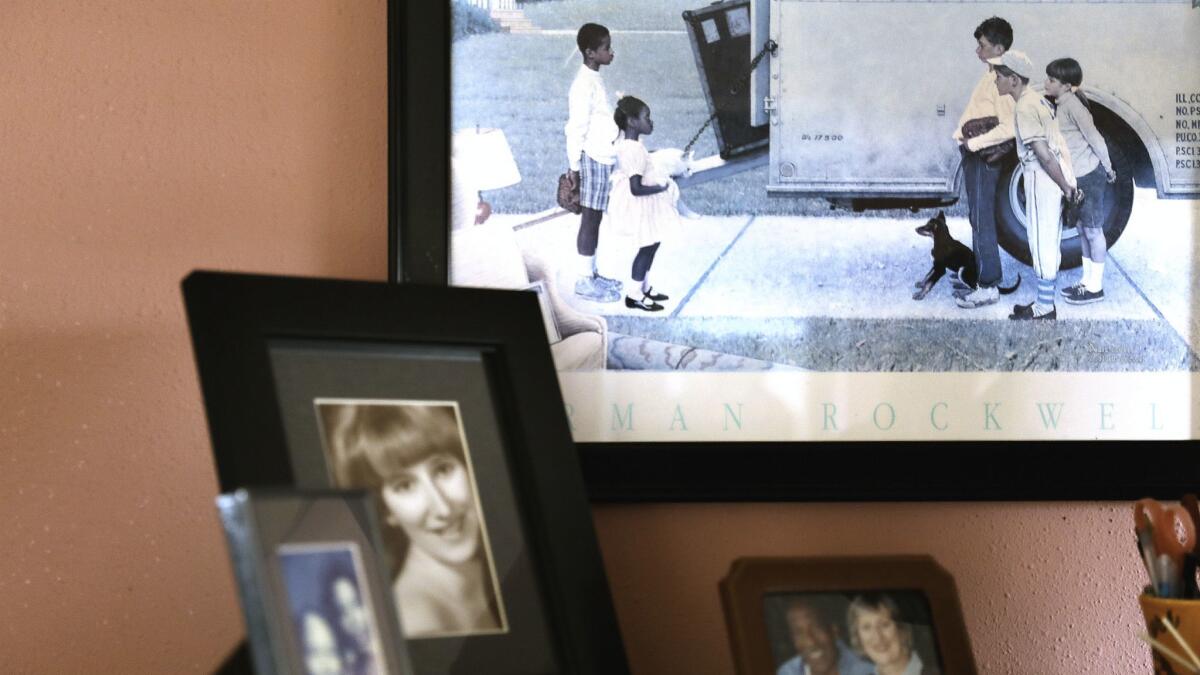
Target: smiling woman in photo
[877,632]
[412,459]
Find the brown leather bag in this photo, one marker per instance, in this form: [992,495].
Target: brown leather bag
[568,193]
[981,125]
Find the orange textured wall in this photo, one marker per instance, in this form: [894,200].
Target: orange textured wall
[142,139]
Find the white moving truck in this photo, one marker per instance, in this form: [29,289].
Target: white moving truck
[859,99]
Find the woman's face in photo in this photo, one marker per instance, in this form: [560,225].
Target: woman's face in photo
[880,636]
[432,502]
[320,647]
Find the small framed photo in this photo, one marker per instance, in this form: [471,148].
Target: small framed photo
[879,615]
[311,577]
[443,406]
[543,296]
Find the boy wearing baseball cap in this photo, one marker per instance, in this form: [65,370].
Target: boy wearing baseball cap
[1048,176]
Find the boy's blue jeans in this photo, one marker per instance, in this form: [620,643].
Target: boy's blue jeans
[981,179]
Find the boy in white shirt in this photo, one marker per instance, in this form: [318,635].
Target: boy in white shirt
[591,132]
[1048,177]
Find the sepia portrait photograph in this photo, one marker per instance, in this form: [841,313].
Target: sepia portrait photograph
[333,621]
[852,633]
[773,220]
[413,458]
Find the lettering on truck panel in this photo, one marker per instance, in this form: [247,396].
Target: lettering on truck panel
[1187,130]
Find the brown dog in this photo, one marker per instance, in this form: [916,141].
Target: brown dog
[949,254]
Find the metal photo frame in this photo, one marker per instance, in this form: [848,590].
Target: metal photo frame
[758,594]
[272,351]
[883,470]
[305,561]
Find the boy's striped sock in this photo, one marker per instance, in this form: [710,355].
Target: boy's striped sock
[1045,297]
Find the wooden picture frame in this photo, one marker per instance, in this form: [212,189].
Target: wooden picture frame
[995,465]
[273,354]
[841,603]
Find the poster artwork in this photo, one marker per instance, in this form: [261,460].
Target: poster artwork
[834,242]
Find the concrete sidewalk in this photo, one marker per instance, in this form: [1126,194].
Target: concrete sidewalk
[844,266]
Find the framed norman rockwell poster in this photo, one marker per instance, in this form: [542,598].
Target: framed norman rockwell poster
[813,237]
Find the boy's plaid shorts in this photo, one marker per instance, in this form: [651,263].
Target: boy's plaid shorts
[594,183]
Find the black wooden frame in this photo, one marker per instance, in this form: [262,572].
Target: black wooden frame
[234,318]
[419,131]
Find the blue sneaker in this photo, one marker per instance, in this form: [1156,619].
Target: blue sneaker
[1068,291]
[591,288]
[614,284]
[1080,295]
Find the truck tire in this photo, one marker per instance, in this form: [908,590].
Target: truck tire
[1010,211]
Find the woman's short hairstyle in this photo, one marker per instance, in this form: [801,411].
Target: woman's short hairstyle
[876,602]
[375,442]
[997,31]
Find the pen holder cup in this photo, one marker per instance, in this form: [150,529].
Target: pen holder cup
[1184,615]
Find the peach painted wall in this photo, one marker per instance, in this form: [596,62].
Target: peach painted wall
[141,139]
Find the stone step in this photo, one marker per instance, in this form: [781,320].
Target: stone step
[513,20]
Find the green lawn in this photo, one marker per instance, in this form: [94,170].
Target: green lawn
[615,14]
[519,83]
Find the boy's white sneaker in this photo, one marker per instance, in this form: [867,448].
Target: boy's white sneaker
[980,297]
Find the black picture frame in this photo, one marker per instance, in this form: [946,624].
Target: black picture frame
[419,131]
[240,322]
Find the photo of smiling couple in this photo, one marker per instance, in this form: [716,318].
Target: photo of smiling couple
[412,457]
[868,633]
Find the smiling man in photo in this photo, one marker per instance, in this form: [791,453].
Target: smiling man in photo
[819,647]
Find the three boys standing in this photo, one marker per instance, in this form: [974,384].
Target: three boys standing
[1027,117]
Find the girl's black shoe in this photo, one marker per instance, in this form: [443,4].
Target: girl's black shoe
[647,304]
[657,297]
